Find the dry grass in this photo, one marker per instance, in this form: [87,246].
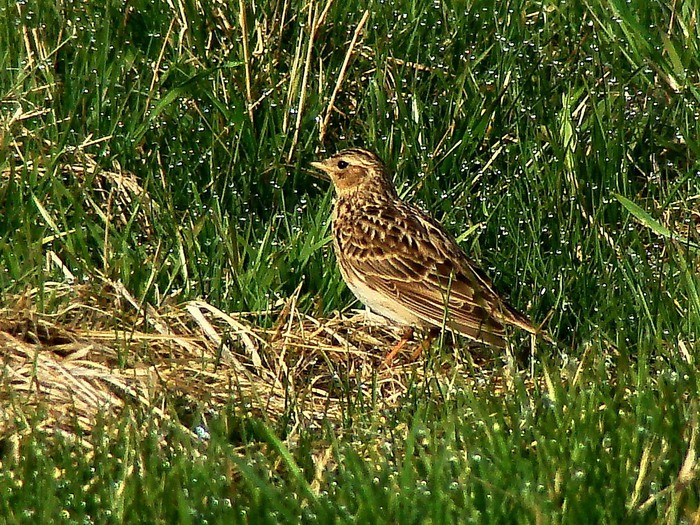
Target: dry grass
[103,351]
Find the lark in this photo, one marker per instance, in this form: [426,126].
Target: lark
[402,264]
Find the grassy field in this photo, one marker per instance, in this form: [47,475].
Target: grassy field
[154,174]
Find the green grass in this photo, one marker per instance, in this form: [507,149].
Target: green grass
[520,122]
[465,456]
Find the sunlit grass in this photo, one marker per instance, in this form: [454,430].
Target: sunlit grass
[140,144]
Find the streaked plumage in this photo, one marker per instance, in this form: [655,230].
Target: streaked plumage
[402,264]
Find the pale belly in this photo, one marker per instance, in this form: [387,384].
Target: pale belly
[382,305]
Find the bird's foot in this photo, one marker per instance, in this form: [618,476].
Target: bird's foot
[405,338]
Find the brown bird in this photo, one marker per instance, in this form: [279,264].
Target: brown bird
[402,264]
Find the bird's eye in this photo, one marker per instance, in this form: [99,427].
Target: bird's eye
[342,164]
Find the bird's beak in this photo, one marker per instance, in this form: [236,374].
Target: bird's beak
[322,167]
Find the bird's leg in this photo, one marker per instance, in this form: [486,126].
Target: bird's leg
[405,338]
[425,343]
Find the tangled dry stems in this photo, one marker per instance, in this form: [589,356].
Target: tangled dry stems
[63,371]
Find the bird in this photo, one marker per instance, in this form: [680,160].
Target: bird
[402,264]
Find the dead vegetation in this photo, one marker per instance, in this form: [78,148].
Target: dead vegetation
[63,370]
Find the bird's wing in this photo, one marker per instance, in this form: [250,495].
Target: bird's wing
[406,255]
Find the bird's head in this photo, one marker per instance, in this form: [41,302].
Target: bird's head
[357,170]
